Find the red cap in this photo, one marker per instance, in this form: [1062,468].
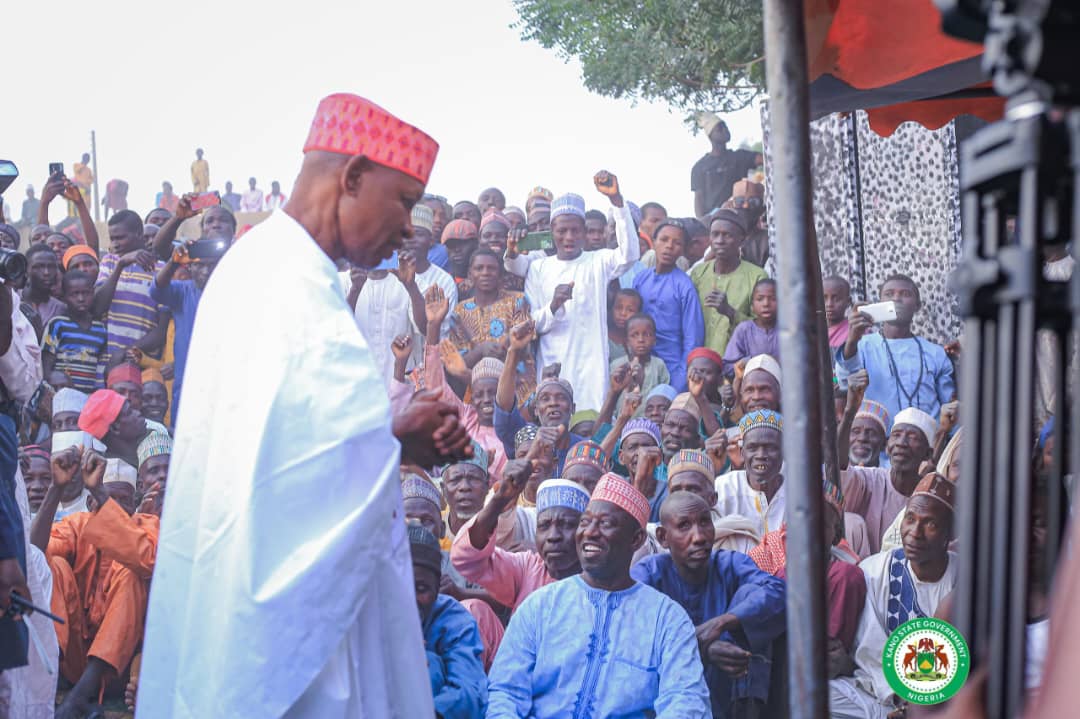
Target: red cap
[709,354]
[350,125]
[125,372]
[616,490]
[100,411]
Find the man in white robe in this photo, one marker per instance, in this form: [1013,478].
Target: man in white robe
[568,294]
[757,492]
[283,585]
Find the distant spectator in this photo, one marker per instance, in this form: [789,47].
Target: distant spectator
[252,199]
[714,175]
[115,197]
[165,199]
[200,173]
[29,208]
[275,199]
[231,199]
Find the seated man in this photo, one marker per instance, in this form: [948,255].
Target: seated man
[865,424]
[877,494]
[586,463]
[902,584]
[155,452]
[451,637]
[66,405]
[761,383]
[101,562]
[114,421]
[692,470]
[757,492]
[511,576]
[738,609]
[601,644]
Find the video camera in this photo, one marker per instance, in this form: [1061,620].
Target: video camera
[12,263]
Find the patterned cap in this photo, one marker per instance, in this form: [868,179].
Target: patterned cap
[692,460]
[488,368]
[918,419]
[350,125]
[833,495]
[423,217]
[547,382]
[479,457]
[613,488]
[875,411]
[117,470]
[511,210]
[568,204]
[525,434]
[459,230]
[424,548]
[34,450]
[662,390]
[416,487]
[493,215]
[541,192]
[936,486]
[640,425]
[686,403]
[68,400]
[589,454]
[761,418]
[709,354]
[155,444]
[561,493]
[769,365]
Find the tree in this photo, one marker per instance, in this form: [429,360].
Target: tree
[692,54]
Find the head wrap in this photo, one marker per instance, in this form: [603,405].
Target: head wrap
[155,445]
[350,125]
[425,549]
[616,490]
[662,390]
[584,415]
[117,470]
[525,434]
[76,250]
[511,210]
[479,457]
[1044,433]
[686,403]
[545,383]
[101,410]
[74,438]
[493,215]
[35,450]
[125,372]
[568,204]
[640,425]
[692,460]
[833,496]
[876,412]
[936,486]
[761,418]
[919,420]
[459,230]
[416,487]
[153,375]
[488,368]
[707,121]
[561,493]
[68,400]
[10,232]
[709,354]
[768,364]
[587,453]
[540,193]
[423,217]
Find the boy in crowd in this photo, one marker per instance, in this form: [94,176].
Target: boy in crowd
[74,342]
[640,341]
[757,336]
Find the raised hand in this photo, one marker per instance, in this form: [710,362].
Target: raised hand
[856,388]
[695,380]
[65,465]
[716,448]
[607,184]
[727,394]
[563,293]
[406,270]
[649,458]
[631,402]
[180,253]
[516,475]
[551,371]
[436,304]
[142,258]
[512,241]
[71,192]
[151,501]
[859,323]
[521,335]
[93,467]
[402,347]
[620,378]
[950,414]
[183,206]
[544,444]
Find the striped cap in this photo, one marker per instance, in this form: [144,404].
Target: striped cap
[459,230]
[616,490]
[641,425]
[692,460]
[568,204]
[561,493]
[589,454]
[423,217]
[416,487]
[155,445]
[875,411]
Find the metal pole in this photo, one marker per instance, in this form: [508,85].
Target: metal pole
[93,160]
[785,48]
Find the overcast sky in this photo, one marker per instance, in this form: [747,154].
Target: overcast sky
[242,80]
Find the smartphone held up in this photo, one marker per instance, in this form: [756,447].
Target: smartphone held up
[880,311]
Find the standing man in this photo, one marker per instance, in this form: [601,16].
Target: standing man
[83,177]
[252,199]
[200,172]
[568,292]
[256,459]
[30,207]
[231,199]
[713,176]
[276,198]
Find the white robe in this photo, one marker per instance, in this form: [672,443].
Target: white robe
[734,495]
[384,311]
[435,275]
[283,584]
[576,335]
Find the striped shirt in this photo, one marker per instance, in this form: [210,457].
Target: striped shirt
[79,352]
[132,313]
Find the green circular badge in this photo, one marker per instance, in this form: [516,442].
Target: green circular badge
[926,660]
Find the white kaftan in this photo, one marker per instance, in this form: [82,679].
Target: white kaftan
[384,311]
[734,495]
[576,335]
[283,584]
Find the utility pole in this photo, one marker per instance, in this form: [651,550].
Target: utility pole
[93,162]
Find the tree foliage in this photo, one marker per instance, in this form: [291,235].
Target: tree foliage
[694,55]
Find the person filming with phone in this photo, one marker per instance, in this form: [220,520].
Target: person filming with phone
[905,370]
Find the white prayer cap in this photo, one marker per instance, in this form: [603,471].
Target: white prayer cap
[76,438]
[707,121]
[68,400]
[117,470]
[768,364]
[918,419]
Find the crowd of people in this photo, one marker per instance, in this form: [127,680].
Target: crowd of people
[612,543]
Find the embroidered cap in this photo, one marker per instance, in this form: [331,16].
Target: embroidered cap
[561,493]
[459,230]
[424,548]
[692,460]
[416,487]
[876,412]
[936,486]
[493,215]
[761,418]
[616,490]
[488,368]
[545,383]
[155,445]
[68,400]
[525,434]
[640,425]
[686,403]
[568,204]
[423,217]
[587,453]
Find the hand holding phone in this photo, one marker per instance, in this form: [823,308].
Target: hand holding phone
[56,169]
[880,311]
[205,199]
[536,241]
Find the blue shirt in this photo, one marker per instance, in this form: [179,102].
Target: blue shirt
[672,300]
[438,255]
[736,586]
[572,650]
[454,649]
[182,297]
[923,373]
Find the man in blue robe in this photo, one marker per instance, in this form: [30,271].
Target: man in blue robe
[737,609]
[600,644]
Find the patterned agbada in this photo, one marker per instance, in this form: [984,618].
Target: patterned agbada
[571,649]
[101,564]
[736,586]
[471,324]
[452,643]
